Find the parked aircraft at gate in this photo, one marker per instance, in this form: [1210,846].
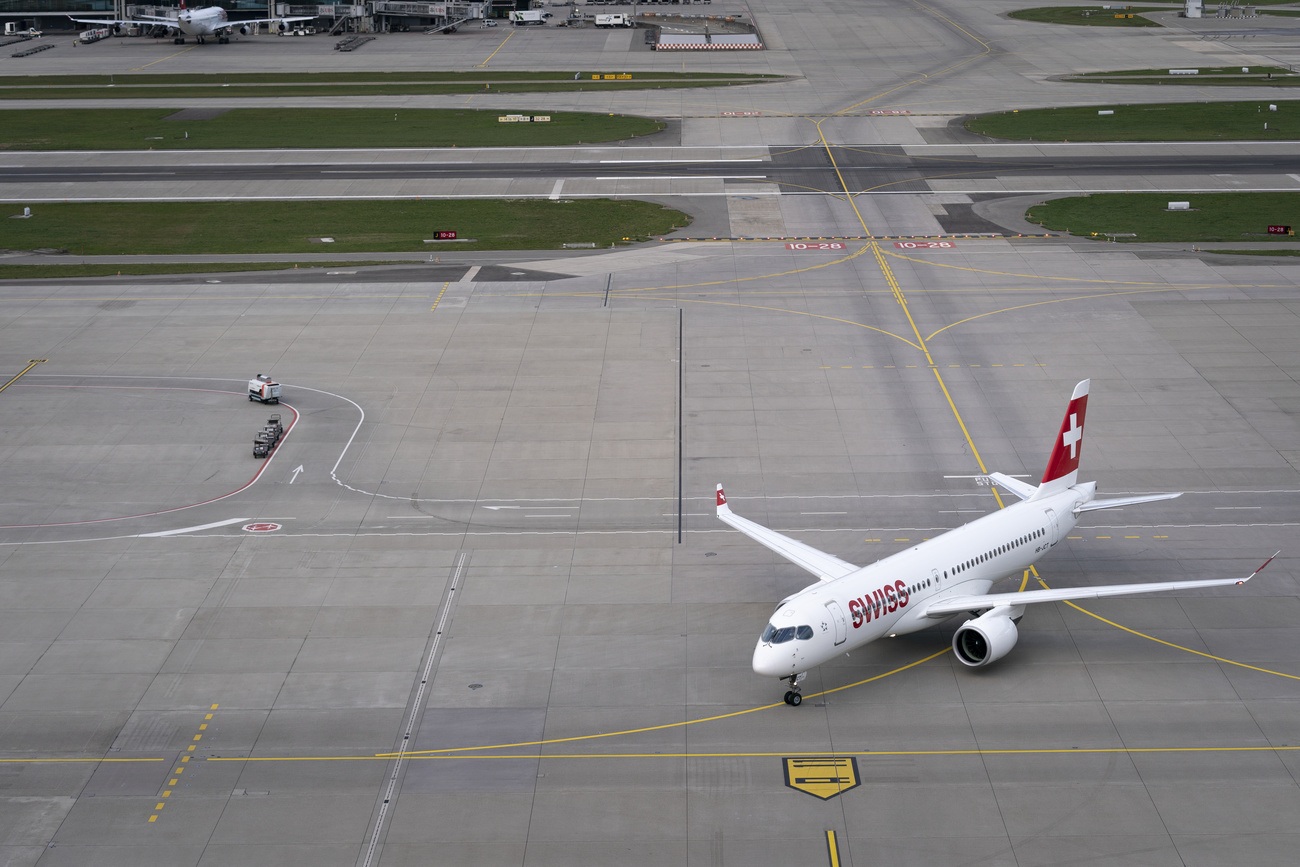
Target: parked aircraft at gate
[950,574]
[199,23]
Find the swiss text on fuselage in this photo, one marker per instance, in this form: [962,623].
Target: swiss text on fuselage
[887,599]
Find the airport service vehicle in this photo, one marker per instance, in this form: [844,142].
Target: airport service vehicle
[199,23]
[265,389]
[528,16]
[617,20]
[86,37]
[950,574]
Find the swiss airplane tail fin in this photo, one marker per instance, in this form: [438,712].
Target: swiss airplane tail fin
[1063,466]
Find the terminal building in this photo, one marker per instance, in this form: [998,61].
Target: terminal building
[381,15]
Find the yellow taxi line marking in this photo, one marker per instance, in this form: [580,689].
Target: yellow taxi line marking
[160,60]
[30,365]
[665,725]
[471,754]
[1162,641]
[494,53]
[832,849]
[437,300]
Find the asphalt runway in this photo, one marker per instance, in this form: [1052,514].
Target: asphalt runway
[476,609]
[861,167]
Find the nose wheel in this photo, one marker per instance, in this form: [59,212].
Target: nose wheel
[792,696]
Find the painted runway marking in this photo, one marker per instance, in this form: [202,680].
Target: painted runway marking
[417,707]
[181,530]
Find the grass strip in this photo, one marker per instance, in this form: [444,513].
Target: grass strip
[169,228]
[490,89]
[28,272]
[191,86]
[1255,252]
[1171,121]
[363,77]
[1234,71]
[1089,16]
[1214,217]
[141,129]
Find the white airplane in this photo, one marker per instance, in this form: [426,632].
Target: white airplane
[951,574]
[199,23]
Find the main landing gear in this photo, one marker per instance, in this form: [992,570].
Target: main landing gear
[793,697]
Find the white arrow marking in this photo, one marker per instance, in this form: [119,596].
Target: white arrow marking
[296,471]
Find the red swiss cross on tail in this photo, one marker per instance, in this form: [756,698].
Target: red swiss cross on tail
[722,498]
[1063,466]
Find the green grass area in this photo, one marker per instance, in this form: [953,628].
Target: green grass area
[1255,252]
[195,85]
[1216,217]
[1091,16]
[28,272]
[1211,76]
[107,228]
[1202,70]
[114,129]
[1173,121]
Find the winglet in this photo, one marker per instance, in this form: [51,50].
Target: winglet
[723,508]
[1260,569]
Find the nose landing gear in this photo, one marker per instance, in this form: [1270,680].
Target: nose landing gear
[793,697]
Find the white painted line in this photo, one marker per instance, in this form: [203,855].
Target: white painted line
[823,513]
[468,276]
[958,511]
[498,508]
[1234,508]
[555,190]
[548,516]
[685,178]
[684,162]
[192,529]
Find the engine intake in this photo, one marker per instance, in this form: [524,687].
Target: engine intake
[985,639]
[245,30]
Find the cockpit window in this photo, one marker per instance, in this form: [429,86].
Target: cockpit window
[780,635]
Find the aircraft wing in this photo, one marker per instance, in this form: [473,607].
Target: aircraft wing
[950,605]
[286,19]
[1116,502]
[826,567]
[115,21]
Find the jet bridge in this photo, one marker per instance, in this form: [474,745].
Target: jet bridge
[437,17]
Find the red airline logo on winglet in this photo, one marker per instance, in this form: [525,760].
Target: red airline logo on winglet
[722,498]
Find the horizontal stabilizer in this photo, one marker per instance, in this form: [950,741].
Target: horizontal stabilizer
[948,606]
[826,567]
[1023,490]
[1116,502]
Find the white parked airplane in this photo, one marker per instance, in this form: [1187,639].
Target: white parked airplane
[199,23]
[950,574]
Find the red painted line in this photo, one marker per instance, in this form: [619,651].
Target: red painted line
[250,483]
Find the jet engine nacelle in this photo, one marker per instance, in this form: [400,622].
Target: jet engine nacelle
[281,26]
[985,639]
[117,29]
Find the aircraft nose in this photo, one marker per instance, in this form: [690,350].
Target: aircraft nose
[770,662]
